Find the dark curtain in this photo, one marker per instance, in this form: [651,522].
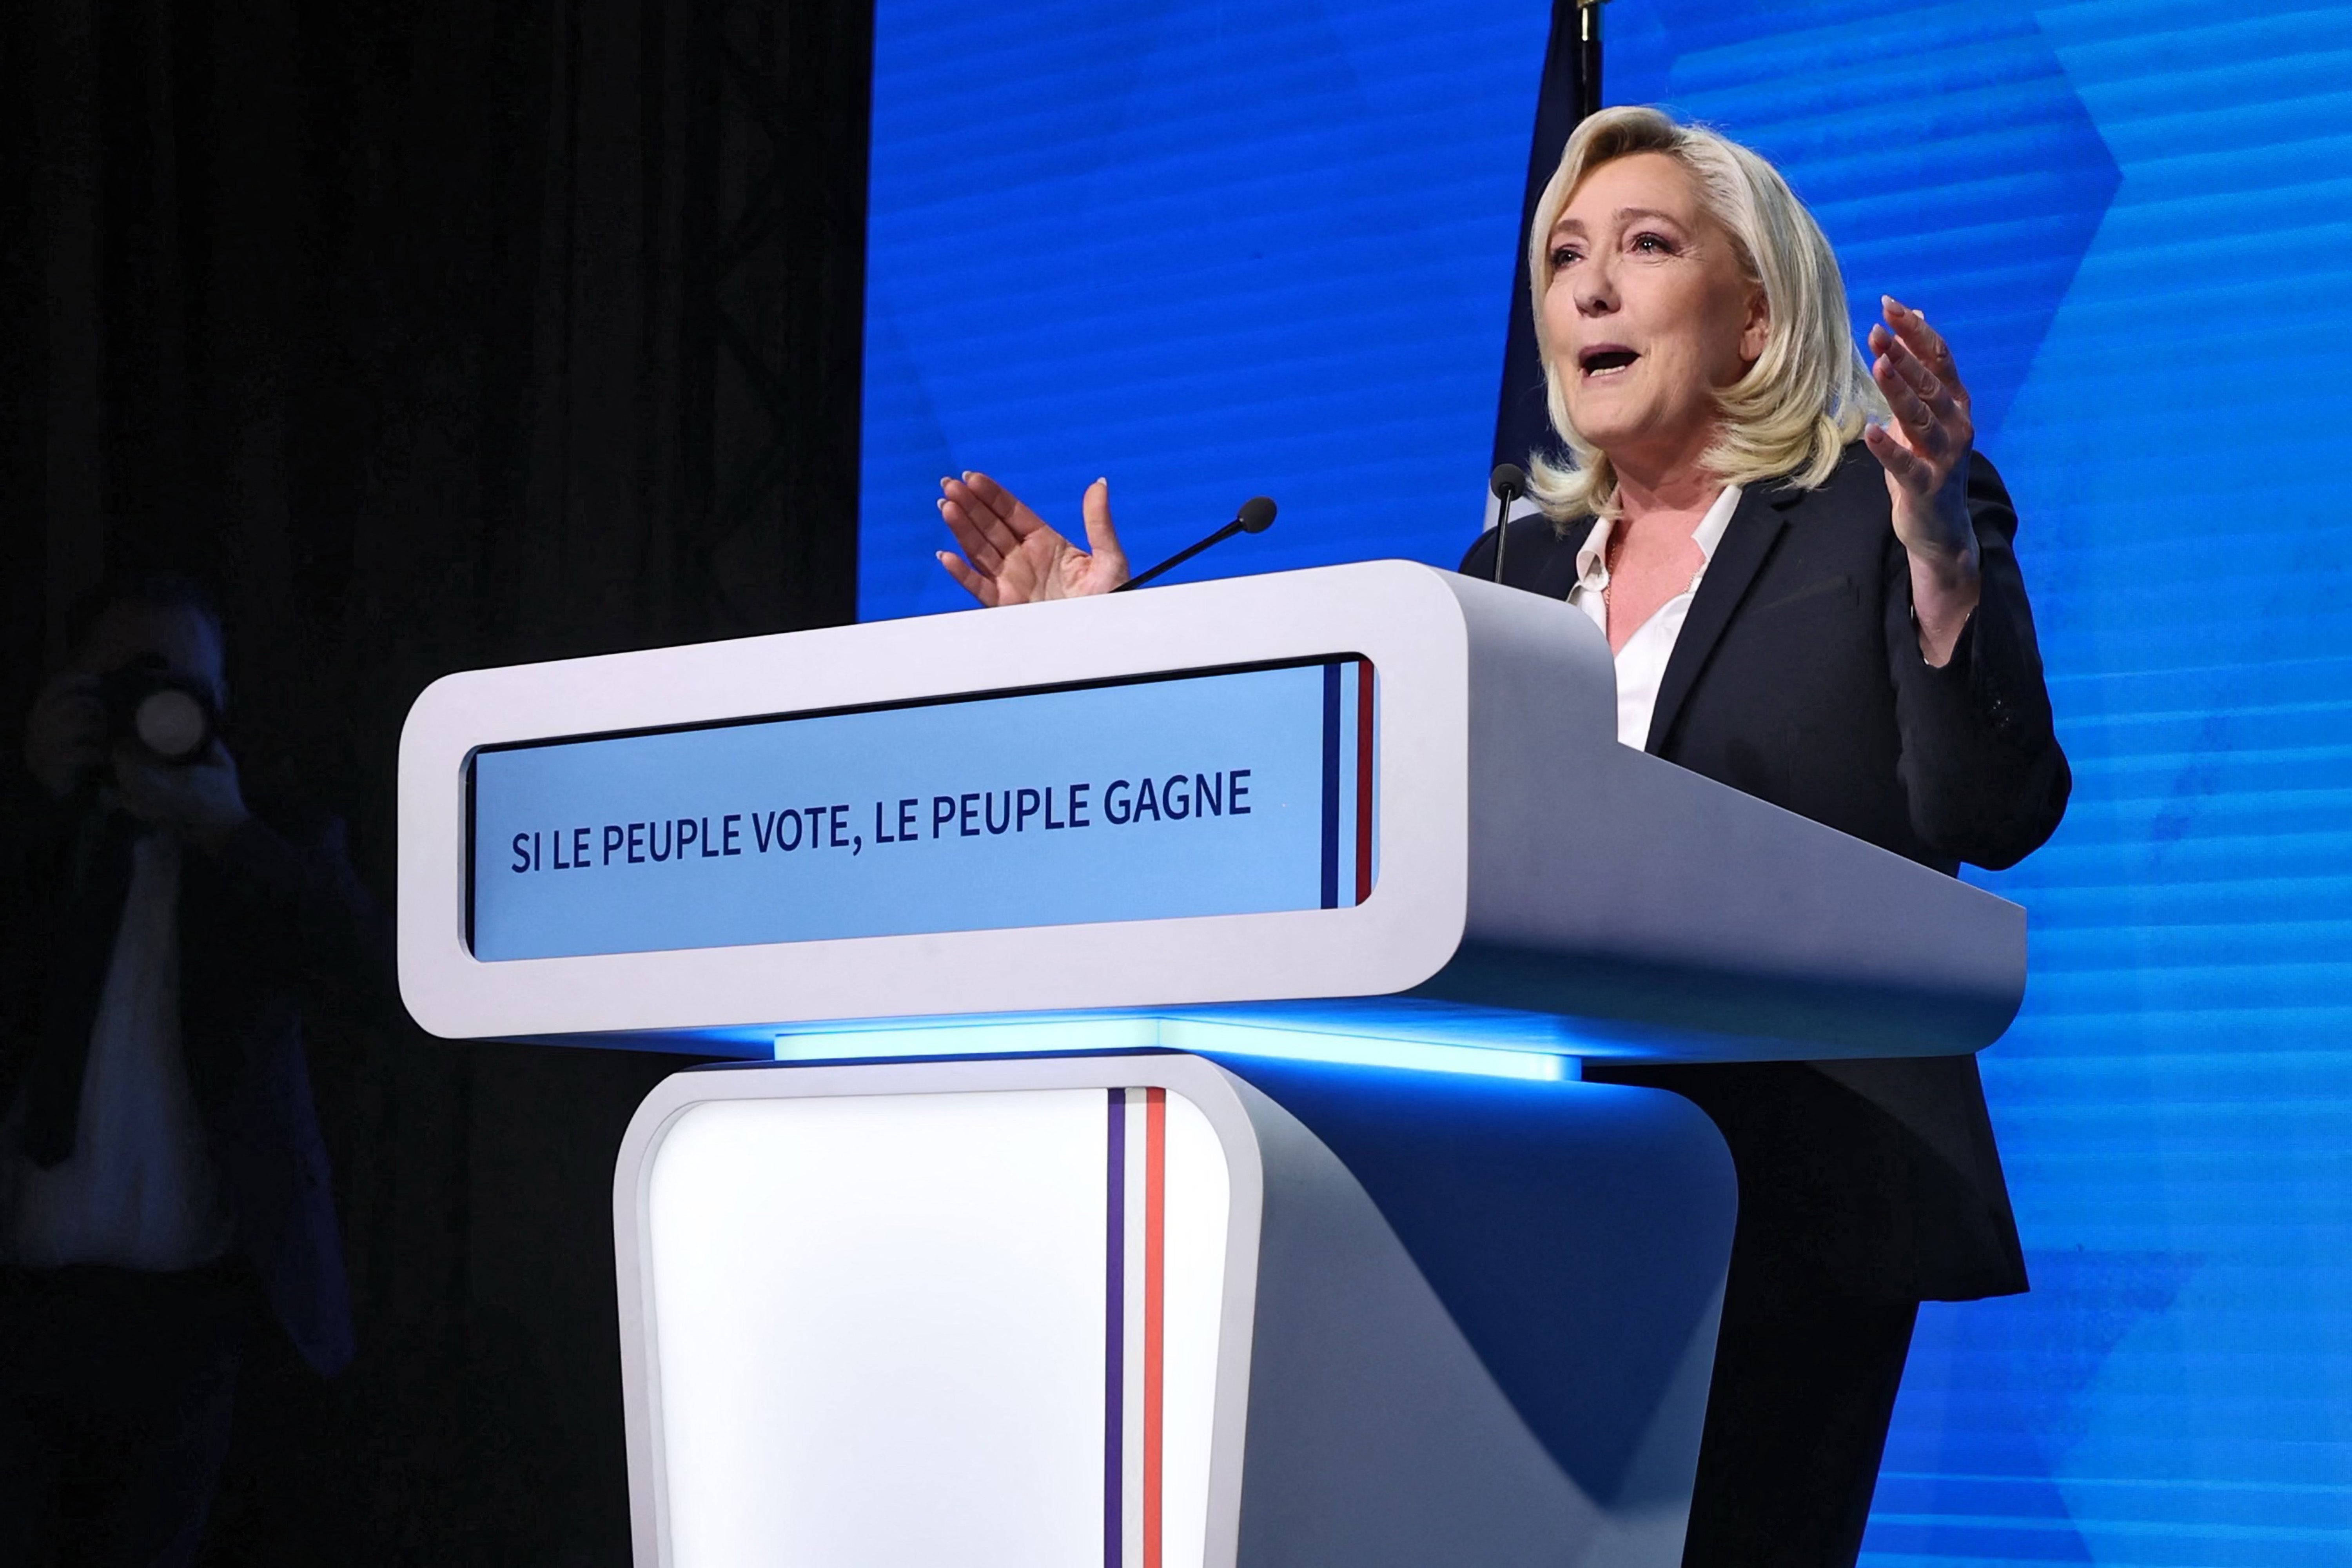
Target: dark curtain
[435,335]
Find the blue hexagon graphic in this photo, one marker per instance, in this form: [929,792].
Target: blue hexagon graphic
[1912,134]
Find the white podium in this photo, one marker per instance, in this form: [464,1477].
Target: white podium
[1158,1140]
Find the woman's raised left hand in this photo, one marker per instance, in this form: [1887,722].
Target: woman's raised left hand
[1012,557]
[1924,451]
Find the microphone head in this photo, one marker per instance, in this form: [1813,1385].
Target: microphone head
[1256,515]
[1509,482]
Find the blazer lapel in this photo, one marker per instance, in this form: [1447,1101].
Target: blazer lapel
[1755,528]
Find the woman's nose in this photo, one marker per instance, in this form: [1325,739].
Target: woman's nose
[1596,288]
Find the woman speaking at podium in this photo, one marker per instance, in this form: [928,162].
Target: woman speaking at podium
[1805,573]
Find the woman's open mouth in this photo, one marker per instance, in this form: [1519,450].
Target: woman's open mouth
[1605,360]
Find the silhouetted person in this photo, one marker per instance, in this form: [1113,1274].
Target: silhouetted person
[164,1189]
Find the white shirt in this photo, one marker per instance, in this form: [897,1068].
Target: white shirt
[1642,662]
[139,1190]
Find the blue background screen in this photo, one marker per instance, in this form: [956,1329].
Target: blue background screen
[1212,250]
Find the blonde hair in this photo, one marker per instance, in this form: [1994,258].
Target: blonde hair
[1808,394]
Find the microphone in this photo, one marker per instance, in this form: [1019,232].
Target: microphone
[1255,517]
[1509,482]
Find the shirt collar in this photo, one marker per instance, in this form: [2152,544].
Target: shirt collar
[1592,555]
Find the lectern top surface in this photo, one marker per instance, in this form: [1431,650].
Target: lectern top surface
[1336,785]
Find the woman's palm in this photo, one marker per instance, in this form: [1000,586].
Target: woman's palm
[1012,557]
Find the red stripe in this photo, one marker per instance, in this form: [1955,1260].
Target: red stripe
[1155,1282]
[1363,779]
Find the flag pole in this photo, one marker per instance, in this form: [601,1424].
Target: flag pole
[1588,55]
[1569,91]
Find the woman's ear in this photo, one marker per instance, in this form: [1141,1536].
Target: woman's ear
[1757,331]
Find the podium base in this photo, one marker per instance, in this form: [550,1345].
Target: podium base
[1112,1311]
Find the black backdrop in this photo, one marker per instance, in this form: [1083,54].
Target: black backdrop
[436,333]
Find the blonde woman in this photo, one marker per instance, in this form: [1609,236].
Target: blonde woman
[1805,573]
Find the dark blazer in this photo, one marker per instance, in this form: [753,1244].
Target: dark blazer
[1797,679]
[266,918]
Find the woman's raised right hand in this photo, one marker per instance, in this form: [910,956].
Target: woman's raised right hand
[1012,557]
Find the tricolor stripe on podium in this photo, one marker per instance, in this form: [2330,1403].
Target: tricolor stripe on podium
[1135,1329]
[1348,732]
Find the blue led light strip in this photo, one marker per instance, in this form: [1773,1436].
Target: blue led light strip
[1207,1036]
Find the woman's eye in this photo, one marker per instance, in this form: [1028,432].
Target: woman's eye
[1561,255]
[1652,245]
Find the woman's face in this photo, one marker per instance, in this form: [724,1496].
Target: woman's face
[1647,312]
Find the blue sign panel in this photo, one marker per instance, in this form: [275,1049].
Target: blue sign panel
[1232,792]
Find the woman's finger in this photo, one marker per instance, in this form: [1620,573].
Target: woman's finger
[1956,391]
[1900,462]
[1010,509]
[978,586]
[973,538]
[1939,355]
[1933,427]
[1911,328]
[956,499]
[1101,537]
[1916,371]
[1919,420]
[988,513]
[995,496]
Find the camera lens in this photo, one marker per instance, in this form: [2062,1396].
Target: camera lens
[171,723]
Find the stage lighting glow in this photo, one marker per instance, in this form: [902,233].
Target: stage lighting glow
[999,1037]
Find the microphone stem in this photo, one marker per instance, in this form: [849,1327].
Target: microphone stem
[1181,556]
[1505,500]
